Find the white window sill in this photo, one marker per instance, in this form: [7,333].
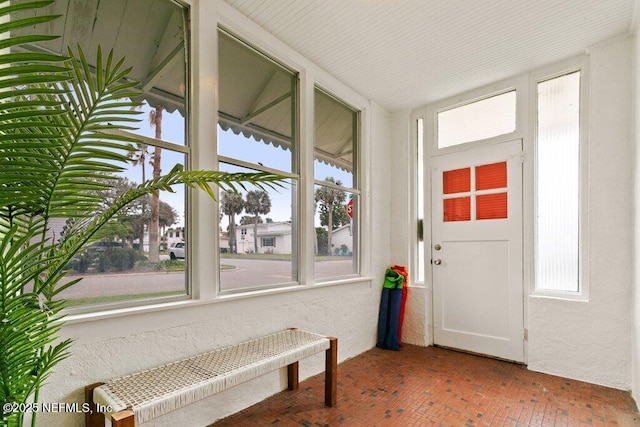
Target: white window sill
[75,318]
[560,295]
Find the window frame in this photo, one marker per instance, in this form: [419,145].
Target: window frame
[517,84]
[309,77]
[420,215]
[203,20]
[354,190]
[468,102]
[568,66]
[82,311]
[295,175]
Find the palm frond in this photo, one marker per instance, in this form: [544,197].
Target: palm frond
[194,179]
[61,150]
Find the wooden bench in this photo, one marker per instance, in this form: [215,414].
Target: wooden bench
[143,396]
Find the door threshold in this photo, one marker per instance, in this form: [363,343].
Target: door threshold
[486,356]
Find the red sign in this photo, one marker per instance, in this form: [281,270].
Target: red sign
[350,208]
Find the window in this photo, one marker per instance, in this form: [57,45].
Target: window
[485,193]
[268,241]
[336,192]
[257,121]
[420,253]
[558,185]
[482,119]
[135,243]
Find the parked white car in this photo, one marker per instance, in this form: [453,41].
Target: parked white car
[177,250]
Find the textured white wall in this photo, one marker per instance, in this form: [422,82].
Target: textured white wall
[115,346]
[635,340]
[590,340]
[112,347]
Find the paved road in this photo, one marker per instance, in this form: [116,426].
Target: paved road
[246,273]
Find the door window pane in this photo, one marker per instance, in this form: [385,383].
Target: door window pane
[457,209]
[492,206]
[456,181]
[491,176]
[558,186]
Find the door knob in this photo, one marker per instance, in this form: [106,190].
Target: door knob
[437,261]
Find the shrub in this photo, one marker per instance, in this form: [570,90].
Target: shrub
[119,259]
[82,263]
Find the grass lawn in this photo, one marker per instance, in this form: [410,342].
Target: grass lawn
[279,257]
[119,298]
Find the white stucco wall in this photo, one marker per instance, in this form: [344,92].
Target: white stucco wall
[635,340]
[590,340]
[116,346]
[131,340]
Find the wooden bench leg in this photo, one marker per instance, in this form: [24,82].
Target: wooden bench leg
[93,418]
[123,418]
[331,373]
[292,376]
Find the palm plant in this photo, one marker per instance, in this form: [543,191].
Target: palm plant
[331,201]
[232,204]
[59,154]
[257,203]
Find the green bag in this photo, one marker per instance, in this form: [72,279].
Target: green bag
[392,279]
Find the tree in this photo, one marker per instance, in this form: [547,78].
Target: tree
[155,119]
[332,211]
[166,215]
[248,219]
[232,204]
[257,203]
[321,240]
[132,218]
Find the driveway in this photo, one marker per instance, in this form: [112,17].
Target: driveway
[245,274]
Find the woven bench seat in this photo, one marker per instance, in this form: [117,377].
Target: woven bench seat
[145,395]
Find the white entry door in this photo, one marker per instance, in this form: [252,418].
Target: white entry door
[476,250]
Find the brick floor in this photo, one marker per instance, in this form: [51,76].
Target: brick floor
[420,386]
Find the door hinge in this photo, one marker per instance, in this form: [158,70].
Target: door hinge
[522,157]
[526,334]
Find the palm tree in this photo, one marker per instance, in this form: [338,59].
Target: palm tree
[139,156]
[60,151]
[232,205]
[257,203]
[330,199]
[155,119]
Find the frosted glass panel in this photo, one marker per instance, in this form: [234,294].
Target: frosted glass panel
[479,120]
[558,184]
[420,201]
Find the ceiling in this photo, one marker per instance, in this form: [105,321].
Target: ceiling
[407,53]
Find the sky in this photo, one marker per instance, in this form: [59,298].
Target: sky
[233,146]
